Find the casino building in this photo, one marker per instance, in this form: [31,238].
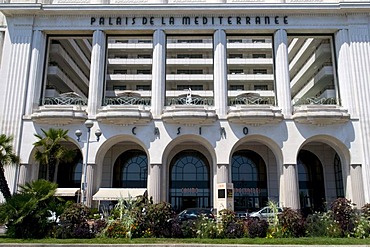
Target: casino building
[174,97]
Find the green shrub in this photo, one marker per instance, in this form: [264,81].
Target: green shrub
[291,223]
[362,227]
[344,215]
[206,227]
[116,229]
[73,222]
[254,228]
[28,213]
[322,225]
[231,226]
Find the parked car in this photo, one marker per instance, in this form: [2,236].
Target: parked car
[241,215]
[264,213]
[194,213]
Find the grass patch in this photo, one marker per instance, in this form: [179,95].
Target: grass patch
[281,241]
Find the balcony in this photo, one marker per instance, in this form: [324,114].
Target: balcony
[189,109]
[319,111]
[124,109]
[67,108]
[253,109]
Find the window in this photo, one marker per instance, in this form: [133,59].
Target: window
[120,71]
[189,55]
[338,176]
[259,71]
[248,172]
[121,56]
[146,41]
[236,71]
[235,55]
[189,41]
[119,87]
[235,41]
[236,87]
[260,87]
[131,170]
[193,87]
[143,87]
[144,56]
[189,71]
[143,71]
[121,41]
[259,55]
[258,41]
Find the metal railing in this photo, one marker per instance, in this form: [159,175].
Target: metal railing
[127,100]
[192,100]
[246,100]
[64,101]
[316,101]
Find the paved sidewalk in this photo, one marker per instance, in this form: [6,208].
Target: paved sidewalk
[172,245]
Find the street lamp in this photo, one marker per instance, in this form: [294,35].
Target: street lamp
[89,124]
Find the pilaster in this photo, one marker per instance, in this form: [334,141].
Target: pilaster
[96,84]
[23,173]
[291,187]
[281,71]
[14,79]
[344,74]
[360,77]
[158,73]
[36,70]
[357,185]
[223,173]
[154,182]
[220,73]
[90,184]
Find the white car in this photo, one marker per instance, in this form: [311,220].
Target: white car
[265,213]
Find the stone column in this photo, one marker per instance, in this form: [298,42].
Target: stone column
[291,187]
[220,73]
[357,185]
[223,173]
[154,182]
[360,56]
[90,183]
[14,79]
[97,70]
[158,73]
[23,173]
[344,74]
[36,71]
[283,95]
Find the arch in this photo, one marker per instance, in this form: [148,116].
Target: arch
[249,176]
[340,155]
[128,143]
[190,183]
[311,182]
[131,170]
[270,143]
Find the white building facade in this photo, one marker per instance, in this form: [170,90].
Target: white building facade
[271,96]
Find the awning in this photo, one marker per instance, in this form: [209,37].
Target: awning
[113,194]
[66,191]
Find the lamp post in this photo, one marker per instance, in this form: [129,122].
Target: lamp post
[89,124]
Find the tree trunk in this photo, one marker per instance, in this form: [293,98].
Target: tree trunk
[51,169]
[4,187]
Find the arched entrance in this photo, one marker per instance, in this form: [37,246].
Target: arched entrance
[131,170]
[250,180]
[189,181]
[311,182]
[69,174]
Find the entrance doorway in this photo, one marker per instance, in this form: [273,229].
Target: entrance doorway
[189,181]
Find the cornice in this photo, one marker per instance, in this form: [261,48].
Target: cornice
[10,9]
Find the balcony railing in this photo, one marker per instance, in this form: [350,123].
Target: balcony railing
[64,100]
[251,100]
[190,100]
[127,100]
[316,101]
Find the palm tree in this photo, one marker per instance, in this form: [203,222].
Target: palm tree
[50,150]
[7,156]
